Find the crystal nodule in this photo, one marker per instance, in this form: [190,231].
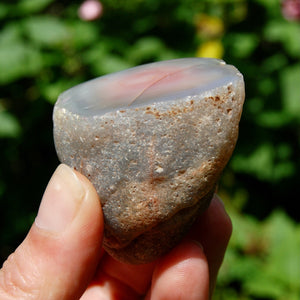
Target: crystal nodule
[153,140]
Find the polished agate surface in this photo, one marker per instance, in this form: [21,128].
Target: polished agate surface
[143,85]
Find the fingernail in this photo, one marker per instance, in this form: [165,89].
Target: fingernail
[61,201]
[198,244]
[220,200]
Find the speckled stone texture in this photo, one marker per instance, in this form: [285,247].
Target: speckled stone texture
[154,165]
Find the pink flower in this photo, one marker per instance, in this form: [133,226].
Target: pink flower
[90,10]
[291,10]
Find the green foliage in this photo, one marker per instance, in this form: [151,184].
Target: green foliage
[32,6]
[45,30]
[45,48]
[9,125]
[17,58]
[291,90]
[262,260]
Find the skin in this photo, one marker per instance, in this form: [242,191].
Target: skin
[62,257]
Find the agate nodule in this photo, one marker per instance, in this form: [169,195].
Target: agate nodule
[153,140]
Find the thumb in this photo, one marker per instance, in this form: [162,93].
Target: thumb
[59,256]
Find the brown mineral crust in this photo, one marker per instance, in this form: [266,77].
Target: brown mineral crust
[158,240]
[155,201]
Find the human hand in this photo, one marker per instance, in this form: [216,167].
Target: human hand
[62,258]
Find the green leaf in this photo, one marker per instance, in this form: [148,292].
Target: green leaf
[263,257]
[259,162]
[17,60]
[284,169]
[46,30]
[265,162]
[242,44]
[279,270]
[283,237]
[4,9]
[273,119]
[272,7]
[263,287]
[11,33]
[113,63]
[274,63]
[244,231]
[82,34]
[33,6]
[290,87]
[102,61]
[146,49]
[288,33]
[9,125]
[237,267]
[51,91]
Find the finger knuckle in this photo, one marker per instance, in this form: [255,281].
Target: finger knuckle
[18,278]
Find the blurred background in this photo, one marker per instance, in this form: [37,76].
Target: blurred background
[47,46]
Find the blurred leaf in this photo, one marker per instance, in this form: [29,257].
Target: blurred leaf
[264,162]
[288,33]
[272,7]
[10,33]
[263,287]
[244,231]
[17,60]
[46,30]
[102,61]
[148,49]
[290,86]
[274,63]
[124,5]
[279,270]
[33,6]
[242,44]
[259,162]
[145,48]
[112,63]
[273,119]
[283,237]
[266,86]
[51,92]
[284,169]
[83,34]
[238,268]
[242,260]
[284,150]
[144,25]
[9,125]
[254,105]
[263,256]
[4,9]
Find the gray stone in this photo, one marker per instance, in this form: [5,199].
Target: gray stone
[153,140]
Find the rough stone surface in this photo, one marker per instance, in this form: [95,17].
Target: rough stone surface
[155,165]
